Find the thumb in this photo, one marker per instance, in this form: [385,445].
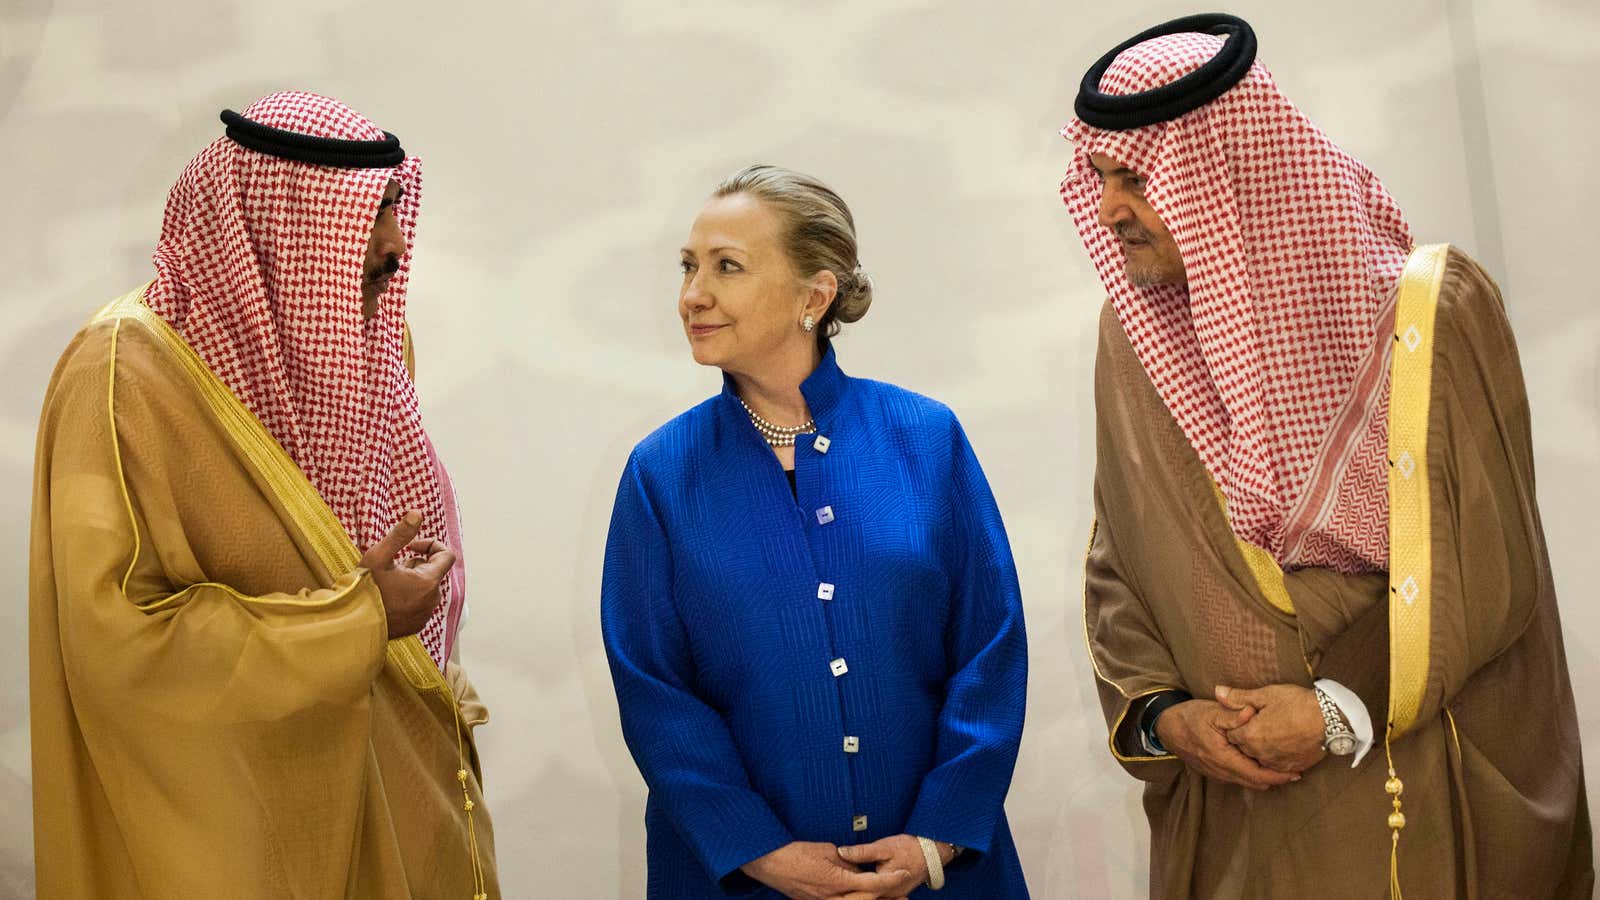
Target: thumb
[860,853]
[381,555]
[1237,698]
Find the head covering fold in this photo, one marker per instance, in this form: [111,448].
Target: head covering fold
[259,268]
[1273,357]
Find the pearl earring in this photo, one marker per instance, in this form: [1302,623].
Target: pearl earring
[809,323]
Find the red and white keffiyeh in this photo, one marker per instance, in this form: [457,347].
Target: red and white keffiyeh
[259,268]
[1273,359]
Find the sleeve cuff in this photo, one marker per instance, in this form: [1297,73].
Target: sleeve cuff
[738,840]
[1354,711]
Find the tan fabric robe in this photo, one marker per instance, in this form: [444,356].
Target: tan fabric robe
[216,710]
[1490,759]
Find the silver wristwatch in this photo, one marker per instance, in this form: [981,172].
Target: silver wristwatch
[1337,738]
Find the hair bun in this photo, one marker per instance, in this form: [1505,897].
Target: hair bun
[818,233]
[854,296]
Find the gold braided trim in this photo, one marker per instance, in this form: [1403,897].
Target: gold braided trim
[1128,699]
[288,484]
[1410,525]
[1410,531]
[305,506]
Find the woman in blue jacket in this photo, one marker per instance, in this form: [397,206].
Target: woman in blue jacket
[809,603]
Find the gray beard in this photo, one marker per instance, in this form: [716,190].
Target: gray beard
[1146,274]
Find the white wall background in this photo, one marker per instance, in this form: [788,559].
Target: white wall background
[567,147]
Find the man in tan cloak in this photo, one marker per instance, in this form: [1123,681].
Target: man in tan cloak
[244,583]
[1316,532]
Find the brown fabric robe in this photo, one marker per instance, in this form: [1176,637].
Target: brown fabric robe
[216,711]
[1494,797]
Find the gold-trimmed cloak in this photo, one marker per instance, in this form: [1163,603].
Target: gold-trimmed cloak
[1483,726]
[216,711]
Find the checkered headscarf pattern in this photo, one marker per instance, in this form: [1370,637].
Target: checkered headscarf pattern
[259,268]
[1272,358]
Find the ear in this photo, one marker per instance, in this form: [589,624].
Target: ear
[821,289]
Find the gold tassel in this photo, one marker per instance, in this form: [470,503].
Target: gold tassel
[480,891]
[1397,820]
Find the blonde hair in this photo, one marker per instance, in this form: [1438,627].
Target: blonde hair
[818,233]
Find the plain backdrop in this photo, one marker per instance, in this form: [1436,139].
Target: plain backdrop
[566,149]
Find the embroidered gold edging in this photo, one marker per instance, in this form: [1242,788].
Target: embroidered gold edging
[412,659]
[1117,728]
[305,506]
[1111,741]
[1267,572]
[1410,526]
[1410,532]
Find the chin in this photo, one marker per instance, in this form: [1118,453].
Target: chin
[1150,276]
[705,356]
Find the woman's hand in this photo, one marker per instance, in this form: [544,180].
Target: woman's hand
[900,853]
[811,871]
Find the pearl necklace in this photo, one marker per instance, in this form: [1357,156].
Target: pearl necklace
[777,435]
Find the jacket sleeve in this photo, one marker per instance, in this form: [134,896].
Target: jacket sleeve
[682,746]
[980,726]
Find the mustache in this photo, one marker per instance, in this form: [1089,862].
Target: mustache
[1130,231]
[389,267]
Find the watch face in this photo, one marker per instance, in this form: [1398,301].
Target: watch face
[1342,745]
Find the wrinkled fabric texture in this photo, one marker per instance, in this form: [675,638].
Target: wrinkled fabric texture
[726,601]
[1494,797]
[214,713]
[259,268]
[1273,358]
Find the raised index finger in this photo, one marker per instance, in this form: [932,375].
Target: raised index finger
[385,550]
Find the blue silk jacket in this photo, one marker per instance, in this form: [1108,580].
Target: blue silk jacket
[842,665]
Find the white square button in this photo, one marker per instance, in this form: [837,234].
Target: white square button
[821,444]
[838,667]
[825,591]
[859,823]
[852,744]
[825,515]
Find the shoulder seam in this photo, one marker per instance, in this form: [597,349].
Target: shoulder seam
[116,454]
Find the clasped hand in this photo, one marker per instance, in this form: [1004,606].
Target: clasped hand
[1259,738]
[887,869]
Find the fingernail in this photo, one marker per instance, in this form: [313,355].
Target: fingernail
[414,518]
[1222,691]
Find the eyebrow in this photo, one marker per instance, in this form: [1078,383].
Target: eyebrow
[690,252]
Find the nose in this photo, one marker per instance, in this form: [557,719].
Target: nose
[391,240]
[1113,207]
[694,298]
